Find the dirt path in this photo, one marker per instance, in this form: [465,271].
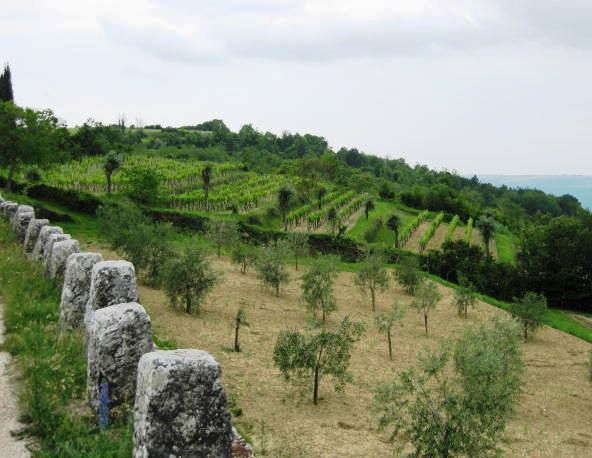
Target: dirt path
[438,238]
[9,446]
[413,243]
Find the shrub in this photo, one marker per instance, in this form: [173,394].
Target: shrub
[372,277]
[529,310]
[271,266]
[317,286]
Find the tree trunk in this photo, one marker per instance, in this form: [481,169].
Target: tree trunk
[466,311]
[388,334]
[373,294]
[277,290]
[108,183]
[425,320]
[296,259]
[315,394]
[188,303]
[525,332]
[11,170]
[323,313]
[236,343]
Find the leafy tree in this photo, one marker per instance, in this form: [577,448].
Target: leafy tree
[368,207]
[271,266]
[426,299]
[222,233]
[315,354]
[321,193]
[333,219]
[372,276]
[188,278]
[394,224]
[465,296]
[298,243]
[284,202]
[385,322]
[27,137]
[317,286]
[111,164]
[142,184]
[487,227]
[409,275]
[6,93]
[206,177]
[529,310]
[459,399]
[244,255]
[239,320]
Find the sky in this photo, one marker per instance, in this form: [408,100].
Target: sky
[473,86]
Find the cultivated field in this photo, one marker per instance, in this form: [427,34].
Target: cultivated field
[553,418]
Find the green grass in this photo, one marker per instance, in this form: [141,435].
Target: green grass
[506,247]
[53,366]
[383,210]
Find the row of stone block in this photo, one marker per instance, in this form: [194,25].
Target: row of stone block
[179,402]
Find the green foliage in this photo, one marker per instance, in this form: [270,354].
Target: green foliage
[142,184]
[372,276]
[487,227]
[469,231]
[407,231]
[426,299]
[465,296]
[52,366]
[6,93]
[314,354]
[459,399]
[394,224]
[271,266]
[317,286]
[222,233]
[188,279]
[409,275]
[298,243]
[385,322]
[368,207]
[285,195]
[429,233]
[371,234]
[111,164]
[530,310]
[452,227]
[244,255]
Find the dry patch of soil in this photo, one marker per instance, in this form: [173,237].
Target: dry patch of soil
[413,243]
[438,238]
[554,415]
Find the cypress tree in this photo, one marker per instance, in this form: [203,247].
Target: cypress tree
[6,94]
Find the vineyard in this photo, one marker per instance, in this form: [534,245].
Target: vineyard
[335,208]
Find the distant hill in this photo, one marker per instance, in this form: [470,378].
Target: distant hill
[579,186]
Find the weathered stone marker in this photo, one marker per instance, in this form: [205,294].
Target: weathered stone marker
[9,210]
[76,288]
[32,234]
[20,209]
[180,408]
[47,251]
[44,234]
[21,224]
[59,255]
[112,282]
[118,336]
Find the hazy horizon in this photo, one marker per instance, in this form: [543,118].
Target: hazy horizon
[474,86]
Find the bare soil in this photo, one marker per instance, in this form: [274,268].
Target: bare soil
[438,238]
[413,243]
[553,418]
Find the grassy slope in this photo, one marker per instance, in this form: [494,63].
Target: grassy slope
[383,210]
[506,247]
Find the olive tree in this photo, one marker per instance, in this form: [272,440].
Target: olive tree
[222,233]
[529,310]
[458,400]
[110,166]
[298,243]
[313,354]
[394,224]
[386,321]
[285,195]
[244,255]
[465,296]
[409,275]
[372,276]
[271,266]
[426,299]
[187,280]
[239,320]
[317,286]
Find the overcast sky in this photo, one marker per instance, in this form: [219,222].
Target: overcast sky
[476,86]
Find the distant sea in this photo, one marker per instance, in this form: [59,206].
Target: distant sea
[579,186]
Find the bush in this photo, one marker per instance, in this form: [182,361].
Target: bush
[74,200]
[271,266]
[372,234]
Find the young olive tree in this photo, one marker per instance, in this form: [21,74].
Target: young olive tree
[298,243]
[529,310]
[426,299]
[372,277]
[465,296]
[409,275]
[222,233]
[187,280]
[317,286]
[386,321]
[302,356]
[459,399]
[271,266]
[239,320]
[110,166]
[285,195]
[244,255]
